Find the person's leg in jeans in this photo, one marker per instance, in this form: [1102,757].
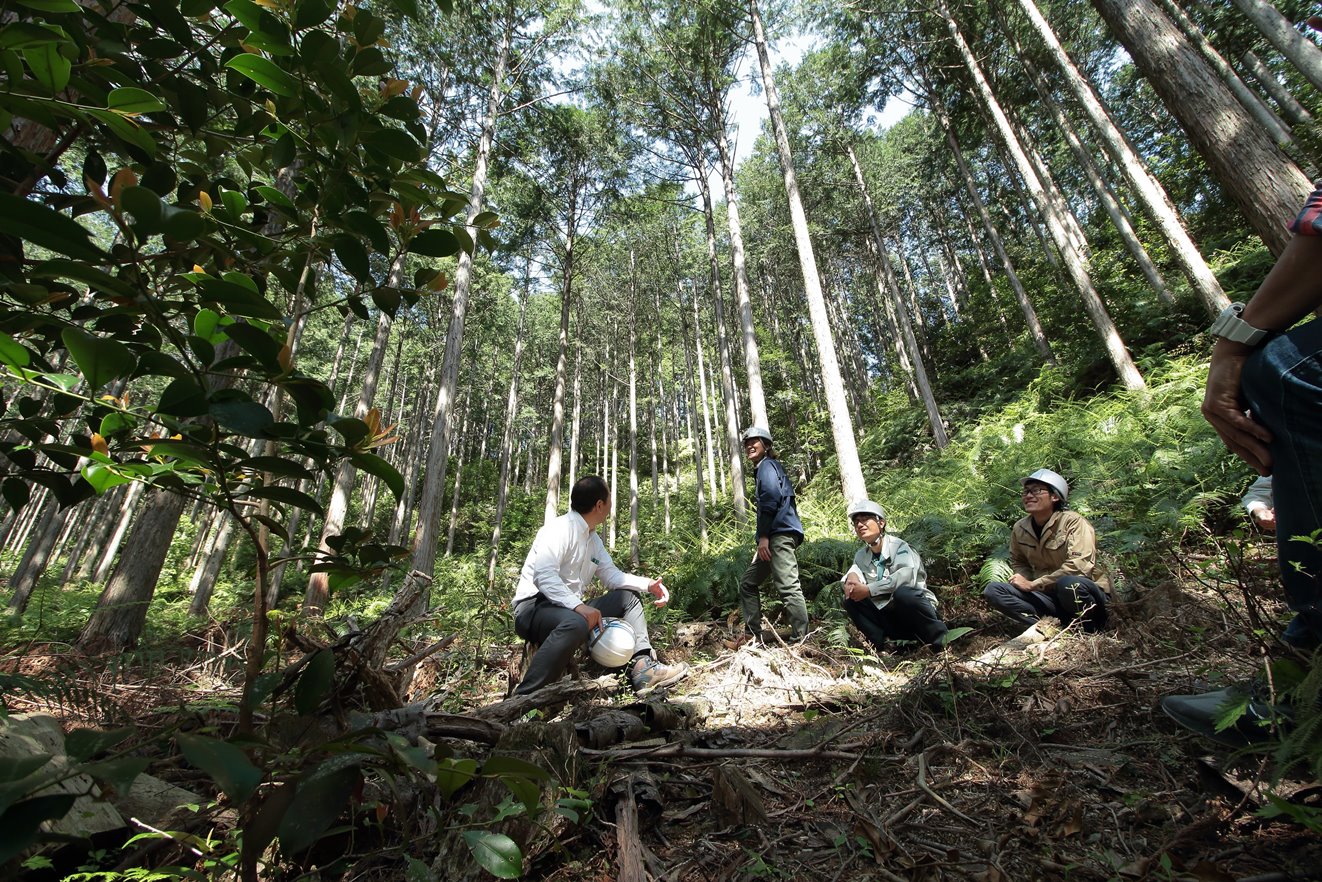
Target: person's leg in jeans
[750,595]
[1077,596]
[912,617]
[559,631]
[1023,608]
[785,575]
[1282,382]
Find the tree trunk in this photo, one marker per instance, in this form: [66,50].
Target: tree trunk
[555,447]
[121,611]
[757,401]
[1114,210]
[706,400]
[438,453]
[100,570]
[318,590]
[733,449]
[1075,263]
[37,556]
[1295,112]
[466,408]
[1266,185]
[842,429]
[692,422]
[888,287]
[507,438]
[1268,121]
[204,578]
[1149,191]
[576,420]
[1302,52]
[633,437]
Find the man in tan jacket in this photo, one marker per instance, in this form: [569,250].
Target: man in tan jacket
[1053,553]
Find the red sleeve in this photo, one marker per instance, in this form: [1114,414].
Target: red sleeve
[1309,221]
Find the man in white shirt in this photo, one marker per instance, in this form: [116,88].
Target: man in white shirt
[548,604]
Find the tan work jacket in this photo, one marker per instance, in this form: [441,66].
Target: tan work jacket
[1068,547]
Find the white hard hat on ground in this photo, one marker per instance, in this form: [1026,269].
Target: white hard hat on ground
[612,644]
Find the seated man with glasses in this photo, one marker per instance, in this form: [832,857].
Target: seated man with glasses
[885,591]
[1053,553]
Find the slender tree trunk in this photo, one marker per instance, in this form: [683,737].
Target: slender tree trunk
[507,437]
[757,401]
[633,438]
[887,287]
[37,556]
[204,578]
[318,590]
[733,449]
[1268,121]
[1302,52]
[842,429]
[1149,191]
[1266,185]
[1295,112]
[699,479]
[576,420]
[1074,261]
[706,401]
[556,445]
[1114,210]
[100,570]
[438,453]
[466,408]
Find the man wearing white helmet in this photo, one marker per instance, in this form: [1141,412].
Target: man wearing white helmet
[885,591]
[1053,552]
[779,532]
[548,604]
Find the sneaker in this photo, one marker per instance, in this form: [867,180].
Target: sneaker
[648,675]
[1201,714]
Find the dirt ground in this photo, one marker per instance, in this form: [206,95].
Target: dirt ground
[810,762]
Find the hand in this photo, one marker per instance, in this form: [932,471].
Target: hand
[1223,407]
[1018,581]
[857,591]
[764,548]
[591,613]
[658,590]
[1265,518]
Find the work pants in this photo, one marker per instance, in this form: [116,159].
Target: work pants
[561,632]
[1069,598]
[908,616]
[783,568]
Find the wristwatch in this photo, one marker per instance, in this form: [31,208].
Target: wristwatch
[1229,325]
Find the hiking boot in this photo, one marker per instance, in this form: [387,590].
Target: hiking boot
[1201,714]
[647,675]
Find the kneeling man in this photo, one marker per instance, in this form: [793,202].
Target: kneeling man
[886,592]
[548,604]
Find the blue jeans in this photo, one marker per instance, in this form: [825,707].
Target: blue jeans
[1282,383]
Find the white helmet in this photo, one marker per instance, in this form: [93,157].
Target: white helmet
[866,506]
[612,644]
[757,432]
[1052,480]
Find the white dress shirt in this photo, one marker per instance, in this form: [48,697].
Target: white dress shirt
[563,559]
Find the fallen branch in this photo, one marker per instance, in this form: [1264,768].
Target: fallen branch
[395,667]
[555,694]
[683,750]
[936,797]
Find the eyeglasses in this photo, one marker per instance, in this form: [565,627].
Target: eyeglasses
[1035,491]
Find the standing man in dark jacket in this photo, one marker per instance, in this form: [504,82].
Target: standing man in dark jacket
[779,533]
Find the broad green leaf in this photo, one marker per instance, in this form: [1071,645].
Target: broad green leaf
[182,224]
[99,358]
[16,493]
[256,342]
[451,774]
[310,13]
[276,198]
[102,477]
[228,766]
[496,852]
[395,143]
[243,417]
[265,73]
[51,5]
[375,465]
[130,101]
[508,765]
[954,634]
[276,465]
[206,323]
[352,428]
[287,495]
[183,398]
[12,353]
[238,299]
[353,256]
[317,804]
[315,682]
[435,242]
[49,66]
[35,223]
[146,208]
[127,131]
[525,791]
[19,824]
